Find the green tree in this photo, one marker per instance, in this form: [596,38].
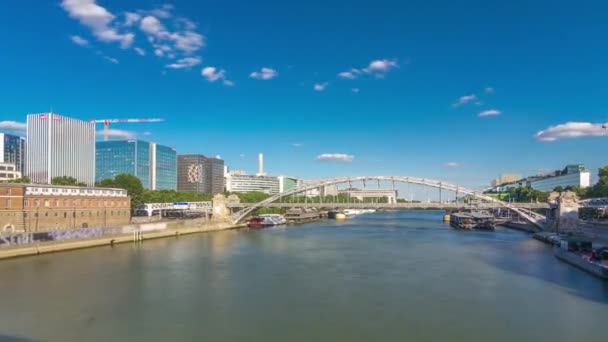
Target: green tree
[106,183]
[133,186]
[66,180]
[558,189]
[23,179]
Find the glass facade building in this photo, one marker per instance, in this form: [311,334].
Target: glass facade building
[164,167]
[12,151]
[123,156]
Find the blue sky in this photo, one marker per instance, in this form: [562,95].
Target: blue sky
[424,72]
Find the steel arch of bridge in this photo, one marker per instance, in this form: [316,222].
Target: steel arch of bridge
[532,217]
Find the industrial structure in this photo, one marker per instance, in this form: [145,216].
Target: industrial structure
[59,146]
[106,124]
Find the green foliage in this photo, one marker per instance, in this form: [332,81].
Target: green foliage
[66,180]
[262,211]
[23,179]
[128,182]
[600,189]
[558,189]
[250,197]
[526,194]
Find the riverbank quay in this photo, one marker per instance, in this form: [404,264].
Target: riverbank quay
[173,230]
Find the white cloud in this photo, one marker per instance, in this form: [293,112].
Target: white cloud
[571,130]
[213,74]
[264,74]
[140,51]
[339,157]
[381,66]
[186,41]
[78,40]
[297,145]
[454,165]
[98,19]
[152,26]
[131,18]
[186,62]
[489,90]
[13,126]
[355,90]
[465,99]
[350,75]
[117,134]
[490,112]
[111,59]
[320,86]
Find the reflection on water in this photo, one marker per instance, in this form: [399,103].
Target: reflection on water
[384,276]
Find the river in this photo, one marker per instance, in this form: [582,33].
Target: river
[392,276]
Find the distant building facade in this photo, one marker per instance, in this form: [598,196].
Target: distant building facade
[8,172]
[123,156]
[201,174]
[287,183]
[575,175]
[506,179]
[59,146]
[12,151]
[571,176]
[237,182]
[155,165]
[163,167]
[40,208]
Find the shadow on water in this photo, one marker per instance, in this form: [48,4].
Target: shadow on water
[6,338]
[531,258]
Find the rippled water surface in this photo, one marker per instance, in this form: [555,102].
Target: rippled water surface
[392,276]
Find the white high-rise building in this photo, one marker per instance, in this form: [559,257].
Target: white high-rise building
[59,146]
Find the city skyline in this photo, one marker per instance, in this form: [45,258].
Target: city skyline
[457,92]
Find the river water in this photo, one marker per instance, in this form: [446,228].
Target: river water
[392,276]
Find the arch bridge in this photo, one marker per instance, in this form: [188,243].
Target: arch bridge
[528,215]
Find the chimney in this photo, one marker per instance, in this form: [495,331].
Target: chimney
[260,164]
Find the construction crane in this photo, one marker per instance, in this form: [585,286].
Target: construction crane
[106,123]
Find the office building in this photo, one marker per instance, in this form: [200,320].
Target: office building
[12,151]
[506,179]
[198,173]
[8,172]
[123,156]
[238,182]
[163,167]
[575,175]
[59,146]
[40,208]
[571,176]
[155,165]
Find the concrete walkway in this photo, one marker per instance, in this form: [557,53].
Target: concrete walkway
[66,245]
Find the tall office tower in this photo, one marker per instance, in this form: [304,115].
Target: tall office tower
[12,151]
[59,146]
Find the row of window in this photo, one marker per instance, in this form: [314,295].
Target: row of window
[74,203]
[89,192]
[82,214]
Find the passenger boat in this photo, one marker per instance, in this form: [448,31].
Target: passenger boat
[301,215]
[266,220]
[478,220]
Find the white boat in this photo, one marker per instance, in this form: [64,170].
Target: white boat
[274,219]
